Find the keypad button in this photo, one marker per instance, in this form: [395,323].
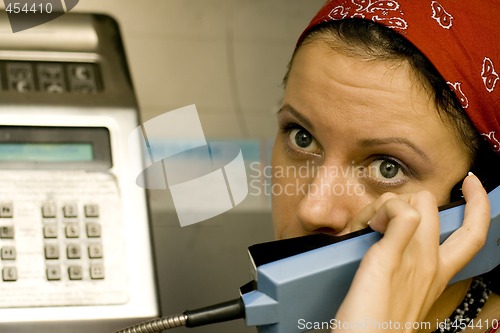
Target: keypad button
[73,251]
[72,230]
[70,210]
[50,231]
[91,210]
[9,274]
[75,272]
[96,271]
[7,232]
[51,251]
[49,210]
[95,251]
[8,253]
[6,210]
[53,273]
[93,230]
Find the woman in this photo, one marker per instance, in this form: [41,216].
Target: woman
[387,104]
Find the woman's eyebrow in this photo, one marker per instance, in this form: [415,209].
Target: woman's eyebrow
[397,140]
[303,119]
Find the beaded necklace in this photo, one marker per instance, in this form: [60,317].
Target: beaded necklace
[471,306]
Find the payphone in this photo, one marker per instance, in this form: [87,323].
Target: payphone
[75,245]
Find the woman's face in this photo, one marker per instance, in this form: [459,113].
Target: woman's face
[350,130]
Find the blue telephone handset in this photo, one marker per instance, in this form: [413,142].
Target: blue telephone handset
[305,280]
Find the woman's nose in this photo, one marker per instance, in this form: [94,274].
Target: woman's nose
[330,203]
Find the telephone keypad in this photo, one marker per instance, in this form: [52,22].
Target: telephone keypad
[60,239]
[81,235]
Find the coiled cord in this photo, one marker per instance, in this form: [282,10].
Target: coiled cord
[157,325]
[217,313]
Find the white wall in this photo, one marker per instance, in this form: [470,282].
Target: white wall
[226,56]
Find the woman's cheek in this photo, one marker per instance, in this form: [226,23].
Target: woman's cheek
[286,197]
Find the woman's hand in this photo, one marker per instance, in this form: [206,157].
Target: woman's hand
[403,274]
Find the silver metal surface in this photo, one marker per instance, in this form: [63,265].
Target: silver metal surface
[95,40]
[67,33]
[106,51]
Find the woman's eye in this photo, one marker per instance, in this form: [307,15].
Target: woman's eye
[386,170]
[303,140]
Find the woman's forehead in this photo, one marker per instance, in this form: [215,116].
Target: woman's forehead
[446,33]
[320,76]
[352,100]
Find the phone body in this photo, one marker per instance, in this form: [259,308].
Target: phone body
[304,280]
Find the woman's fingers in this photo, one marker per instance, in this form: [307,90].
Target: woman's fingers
[397,277]
[466,241]
[399,216]
[411,234]
[398,220]
[366,214]
[403,274]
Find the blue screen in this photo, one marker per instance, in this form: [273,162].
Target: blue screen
[46,152]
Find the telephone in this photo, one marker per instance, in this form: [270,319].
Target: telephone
[307,278]
[75,245]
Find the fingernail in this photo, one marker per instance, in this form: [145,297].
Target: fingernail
[476,178]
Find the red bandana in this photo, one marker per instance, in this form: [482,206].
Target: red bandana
[460,37]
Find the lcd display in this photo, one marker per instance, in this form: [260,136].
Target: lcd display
[46,152]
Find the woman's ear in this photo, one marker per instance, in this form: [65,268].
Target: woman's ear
[456,192]
[485,167]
